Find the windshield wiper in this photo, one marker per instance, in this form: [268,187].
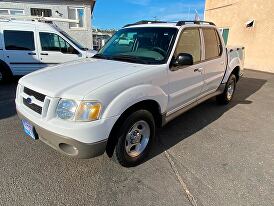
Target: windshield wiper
[99,56]
[129,58]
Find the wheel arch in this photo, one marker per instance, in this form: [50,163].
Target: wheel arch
[149,104]
[5,68]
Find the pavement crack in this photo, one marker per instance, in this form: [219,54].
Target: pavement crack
[190,197]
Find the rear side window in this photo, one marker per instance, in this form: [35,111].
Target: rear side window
[190,43]
[213,46]
[19,40]
[53,42]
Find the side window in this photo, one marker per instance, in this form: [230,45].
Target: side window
[19,40]
[213,46]
[190,43]
[53,42]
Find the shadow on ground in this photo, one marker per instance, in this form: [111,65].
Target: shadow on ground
[201,116]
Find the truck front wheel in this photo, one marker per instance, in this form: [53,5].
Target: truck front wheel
[229,91]
[135,138]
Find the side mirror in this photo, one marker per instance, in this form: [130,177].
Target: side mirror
[183,59]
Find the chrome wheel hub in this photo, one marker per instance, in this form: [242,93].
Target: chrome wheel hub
[230,90]
[137,138]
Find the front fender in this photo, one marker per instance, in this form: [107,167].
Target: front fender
[134,95]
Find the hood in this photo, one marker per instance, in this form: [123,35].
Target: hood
[76,79]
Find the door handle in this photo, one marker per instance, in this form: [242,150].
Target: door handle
[31,53]
[198,70]
[45,54]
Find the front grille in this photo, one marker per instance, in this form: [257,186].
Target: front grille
[33,107]
[38,96]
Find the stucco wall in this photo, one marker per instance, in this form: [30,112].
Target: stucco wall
[258,41]
[82,35]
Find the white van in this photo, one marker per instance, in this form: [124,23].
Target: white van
[26,46]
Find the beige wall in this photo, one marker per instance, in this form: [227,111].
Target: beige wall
[258,41]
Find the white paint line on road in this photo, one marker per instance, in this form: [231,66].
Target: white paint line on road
[180,179]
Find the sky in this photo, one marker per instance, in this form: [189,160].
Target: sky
[115,14]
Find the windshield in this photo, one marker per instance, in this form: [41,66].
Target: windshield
[140,45]
[73,40]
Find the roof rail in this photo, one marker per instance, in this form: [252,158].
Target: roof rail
[181,23]
[145,22]
[37,18]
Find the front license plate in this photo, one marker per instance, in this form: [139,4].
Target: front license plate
[29,130]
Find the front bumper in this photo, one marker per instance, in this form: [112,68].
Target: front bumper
[67,145]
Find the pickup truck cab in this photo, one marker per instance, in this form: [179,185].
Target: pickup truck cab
[26,46]
[147,74]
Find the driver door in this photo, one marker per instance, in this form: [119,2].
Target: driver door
[186,82]
[54,49]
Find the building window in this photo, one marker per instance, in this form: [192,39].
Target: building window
[77,13]
[12,12]
[19,40]
[40,12]
[225,33]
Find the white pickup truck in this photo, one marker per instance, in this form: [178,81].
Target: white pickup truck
[147,74]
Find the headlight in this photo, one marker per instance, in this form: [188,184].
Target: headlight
[83,111]
[66,109]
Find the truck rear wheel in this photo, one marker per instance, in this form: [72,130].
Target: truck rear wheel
[229,91]
[135,138]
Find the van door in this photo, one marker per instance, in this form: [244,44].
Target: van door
[186,82]
[54,49]
[20,50]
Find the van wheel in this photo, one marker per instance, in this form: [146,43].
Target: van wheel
[5,75]
[229,91]
[136,136]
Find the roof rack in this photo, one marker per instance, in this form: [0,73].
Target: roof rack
[37,18]
[145,22]
[181,23]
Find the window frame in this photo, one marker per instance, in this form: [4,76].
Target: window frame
[5,46]
[217,38]
[201,44]
[9,11]
[59,36]
[76,8]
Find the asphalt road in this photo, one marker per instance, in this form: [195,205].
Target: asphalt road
[211,155]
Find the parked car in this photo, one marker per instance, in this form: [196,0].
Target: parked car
[114,101]
[26,46]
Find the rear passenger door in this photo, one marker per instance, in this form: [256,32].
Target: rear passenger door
[54,49]
[20,50]
[214,60]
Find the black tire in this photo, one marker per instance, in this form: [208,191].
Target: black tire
[5,74]
[227,96]
[120,154]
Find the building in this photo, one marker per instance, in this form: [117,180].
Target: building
[73,9]
[100,37]
[247,23]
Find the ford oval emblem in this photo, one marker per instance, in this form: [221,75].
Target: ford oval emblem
[29,100]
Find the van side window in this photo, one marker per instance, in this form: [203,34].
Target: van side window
[53,42]
[19,40]
[213,46]
[190,43]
